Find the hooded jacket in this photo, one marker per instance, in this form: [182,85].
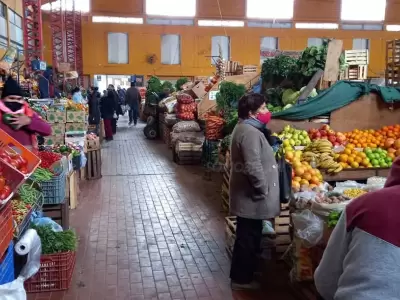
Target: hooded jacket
[362,258]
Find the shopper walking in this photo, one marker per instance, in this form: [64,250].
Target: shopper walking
[17,119]
[107,108]
[362,258]
[118,109]
[254,187]
[132,99]
[94,107]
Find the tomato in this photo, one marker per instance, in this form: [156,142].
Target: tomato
[23,161]
[14,164]
[23,170]
[2,183]
[7,190]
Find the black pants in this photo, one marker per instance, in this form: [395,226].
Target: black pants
[133,115]
[245,250]
[114,125]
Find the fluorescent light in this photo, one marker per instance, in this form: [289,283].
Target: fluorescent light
[116,20]
[270,9]
[363,10]
[219,23]
[393,27]
[68,5]
[317,25]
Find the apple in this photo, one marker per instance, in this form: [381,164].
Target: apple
[325,127]
[332,139]
[331,132]
[312,131]
[341,138]
[317,134]
[323,132]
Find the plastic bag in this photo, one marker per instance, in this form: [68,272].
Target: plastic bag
[184,98]
[186,126]
[308,227]
[40,220]
[285,178]
[187,137]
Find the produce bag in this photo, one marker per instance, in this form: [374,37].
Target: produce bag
[186,112]
[302,262]
[285,177]
[186,126]
[214,127]
[184,98]
[308,227]
[187,137]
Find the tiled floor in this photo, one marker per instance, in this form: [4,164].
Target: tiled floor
[150,229]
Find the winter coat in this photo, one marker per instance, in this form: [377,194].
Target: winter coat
[254,180]
[94,108]
[107,106]
[118,107]
[132,97]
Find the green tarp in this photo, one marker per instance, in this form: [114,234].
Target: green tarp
[340,94]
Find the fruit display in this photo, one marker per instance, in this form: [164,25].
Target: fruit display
[367,158]
[294,137]
[326,132]
[320,153]
[304,177]
[354,192]
[331,198]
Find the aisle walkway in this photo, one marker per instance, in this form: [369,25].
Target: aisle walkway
[150,229]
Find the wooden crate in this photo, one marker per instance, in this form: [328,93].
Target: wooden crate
[359,72]
[186,157]
[58,212]
[249,69]
[93,165]
[282,230]
[356,57]
[72,189]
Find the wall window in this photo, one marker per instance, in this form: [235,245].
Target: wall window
[171,49]
[267,45]
[363,10]
[360,44]
[3,26]
[270,9]
[15,29]
[223,43]
[314,42]
[118,48]
[116,20]
[171,8]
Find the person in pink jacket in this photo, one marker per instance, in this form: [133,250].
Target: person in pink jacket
[17,119]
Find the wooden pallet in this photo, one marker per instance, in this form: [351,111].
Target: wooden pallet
[282,230]
[356,57]
[93,165]
[359,72]
[250,69]
[186,157]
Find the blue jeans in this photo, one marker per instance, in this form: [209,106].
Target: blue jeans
[133,115]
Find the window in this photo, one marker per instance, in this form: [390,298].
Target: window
[171,49]
[363,10]
[15,29]
[219,23]
[264,24]
[314,42]
[267,44]
[119,20]
[377,27]
[217,43]
[169,21]
[171,8]
[3,26]
[118,48]
[360,44]
[270,9]
[393,27]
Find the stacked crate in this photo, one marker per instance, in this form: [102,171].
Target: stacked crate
[6,245]
[392,72]
[57,120]
[357,62]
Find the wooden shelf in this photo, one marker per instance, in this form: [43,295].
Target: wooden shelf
[356,174]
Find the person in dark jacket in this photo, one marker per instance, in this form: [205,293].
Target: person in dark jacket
[118,109]
[132,99]
[121,95]
[94,107]
[107,108]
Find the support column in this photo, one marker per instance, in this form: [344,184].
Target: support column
[78,40]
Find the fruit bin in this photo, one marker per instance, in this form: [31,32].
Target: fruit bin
[6,227]
[7,265]
[55,273]
[17,156]
[13,179]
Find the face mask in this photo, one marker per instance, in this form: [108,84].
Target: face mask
[13,106]
[264,117]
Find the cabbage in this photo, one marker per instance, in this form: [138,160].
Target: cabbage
[286,96]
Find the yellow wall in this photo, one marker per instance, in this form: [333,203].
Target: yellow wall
[15,5]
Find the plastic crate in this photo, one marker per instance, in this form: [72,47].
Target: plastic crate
[55,273]
[54,189]
[7,265]
[12,146]
[13,178]
[6,227]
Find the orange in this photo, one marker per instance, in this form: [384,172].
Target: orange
[358,159]
[344,165]
[365,162]
[350,160]
[347,151]
[355,165]
[307,176]
[363,155]
[343,158]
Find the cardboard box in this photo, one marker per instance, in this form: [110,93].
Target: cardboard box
[56,117]
[199,90]
[54,140]
[92,145]
[57,129]
[76,116]
[75,127]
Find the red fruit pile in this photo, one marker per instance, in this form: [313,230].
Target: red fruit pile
[325,132]
[15,160]
[48,158]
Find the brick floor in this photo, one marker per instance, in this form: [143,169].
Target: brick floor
[150,229]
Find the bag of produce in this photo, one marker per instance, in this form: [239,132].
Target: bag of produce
[214,127]
[184,98]
[308,227]
[187,137]
[302,262]
[186,126]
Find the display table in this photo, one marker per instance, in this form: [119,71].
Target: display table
[356,174]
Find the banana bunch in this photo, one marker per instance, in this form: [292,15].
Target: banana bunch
[309,156]
[327,161]
[320,146]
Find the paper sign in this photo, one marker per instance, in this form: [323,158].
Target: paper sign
[212,95]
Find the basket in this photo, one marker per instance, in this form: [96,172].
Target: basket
[6,227]
[13,178]
[55,273]
[13,147]
[54,189]
[7,265]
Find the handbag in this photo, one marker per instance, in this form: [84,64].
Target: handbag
[285,177]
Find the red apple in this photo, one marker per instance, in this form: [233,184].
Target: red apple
[323,132]
[317,134]
[312,131]
[336,144]
[325,127]
[331,132]
[332,139]
[341,138]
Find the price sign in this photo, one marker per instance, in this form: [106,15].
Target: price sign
[213,95]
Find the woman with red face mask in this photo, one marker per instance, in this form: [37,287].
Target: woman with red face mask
[254,187]
[17,119]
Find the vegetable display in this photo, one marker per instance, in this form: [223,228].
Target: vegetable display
[41,175]
[333,218]
[20,210]
[15,160]
[214,127]
[48,158]
[28,194]
[56,242]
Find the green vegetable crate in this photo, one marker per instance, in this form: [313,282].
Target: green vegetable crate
[55,273]
[54,189]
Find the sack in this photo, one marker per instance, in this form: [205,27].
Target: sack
[184,98]
[285,177]
[186,126]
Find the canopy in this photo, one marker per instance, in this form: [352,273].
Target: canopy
[340,94]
